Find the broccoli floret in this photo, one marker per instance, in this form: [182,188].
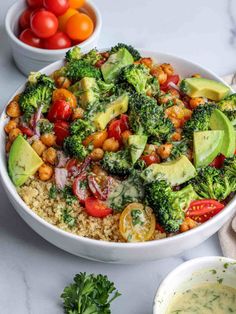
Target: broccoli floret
[73,147]
[167,204]
[136,55]
[77,69]
[45,126]
[73,54]
[229,170]
[200,120]
[92,57]
[212,183]
[179,148]
[146,117]
[228,106]
[81,128]
[117,163]
[38,91]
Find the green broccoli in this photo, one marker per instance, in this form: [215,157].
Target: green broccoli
[179,148]
[118,163]
[147,118]
[229,170]
[167,204]
[228,106]
[77,69]
[81,128]
[45,126]
[92,57]
[136,55]
[73,147]
[38,91]
[73,54]
[200,120]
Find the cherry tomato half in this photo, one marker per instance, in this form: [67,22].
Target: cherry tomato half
[80,188]
[60,110]
[35,3]
[117,127]
[58,7]
[79,27]
[218,161]
[61,129]
[96,208]
[65,17]
[57,41]
[44,23]
[172,78]
[27,131]
[65,94]
[99,186]
[203,210]
[76,4]
[150,159]
[29,38]
[96,139]
[24,20]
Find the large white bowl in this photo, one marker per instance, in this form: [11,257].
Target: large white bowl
[109,251]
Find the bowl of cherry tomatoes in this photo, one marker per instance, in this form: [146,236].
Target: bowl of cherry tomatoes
[41,31]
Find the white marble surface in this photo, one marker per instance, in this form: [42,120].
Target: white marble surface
[33,272]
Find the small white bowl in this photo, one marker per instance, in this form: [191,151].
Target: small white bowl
[198,271]
[28,58]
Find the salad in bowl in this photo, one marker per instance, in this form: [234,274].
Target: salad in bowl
[114,146]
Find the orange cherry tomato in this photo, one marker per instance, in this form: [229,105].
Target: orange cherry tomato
[96,139]
[62,19]
[76,4]
[79,27]
[64,94]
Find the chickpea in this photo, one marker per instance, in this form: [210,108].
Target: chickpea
[167,68]
[176,122]
[187,224]
[159,74]
[78,113]
[10,126]
[125,135]
[164,150]
[110,145]
[176,136]
[195,102]
[48,139]
[39,147]
[45,172]
[197,75]
[16,98]
[98,170]
[97,154]
[8,146]
[13,109]
[62,82]
[13,134]
[50,155]
[146,61]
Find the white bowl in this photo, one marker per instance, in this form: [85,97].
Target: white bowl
[109,251]
[28,58]
[196,272]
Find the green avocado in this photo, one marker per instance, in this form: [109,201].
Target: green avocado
[23,161]
[111,68]
[202,87]
[206,146]
[175,172]
[87,87]
[136,144]
[219,121]
[113,110]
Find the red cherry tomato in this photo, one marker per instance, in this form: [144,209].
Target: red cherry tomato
[124,122]
[57,41]
[99,186]
[160,228]
[218,161]
[172,78]
[58,7]
[24,20]
[27,131]
[117,127]
[29,38]
[35,3]
[72,167]
[44,23]
[80,187]
[96,208]
[203,210]
[60,110]
[150,159]
[61,129]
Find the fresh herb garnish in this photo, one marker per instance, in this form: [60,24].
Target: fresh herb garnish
[136,215]
[67,218]
[68,195]
[53,192]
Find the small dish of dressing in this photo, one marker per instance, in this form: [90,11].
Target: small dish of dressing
[203,285]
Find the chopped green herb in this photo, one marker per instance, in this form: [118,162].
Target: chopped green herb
[53,192]
[68,195]
[67,218]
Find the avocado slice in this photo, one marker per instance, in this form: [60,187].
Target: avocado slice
[23,161]
[111,68]
[113,110]
[175,172]
[202,87]
[88,88]
[219,121]
[137,144]
[206,146]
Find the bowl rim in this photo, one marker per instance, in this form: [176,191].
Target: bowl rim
[9,186]
[51,52]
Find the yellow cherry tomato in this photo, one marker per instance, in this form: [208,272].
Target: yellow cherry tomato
[76,4]
[64,94]
[62,19]
[137,223]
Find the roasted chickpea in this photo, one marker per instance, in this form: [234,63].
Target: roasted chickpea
[167,68]
[187,224]
[39,147]
[97,154]
[62,82]
[8,146]
[125,135]
[10,126]
[13,109]
[146,61]
[176,136]
[78,113]
[195,102]
[48,139]
[50,155]
[45,172]
[13,134]
[110,145]
[159,74]
[164,150]
[197,75]
[98,170]
[16,98]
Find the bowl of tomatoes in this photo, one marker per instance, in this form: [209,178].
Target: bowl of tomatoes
[41,31]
